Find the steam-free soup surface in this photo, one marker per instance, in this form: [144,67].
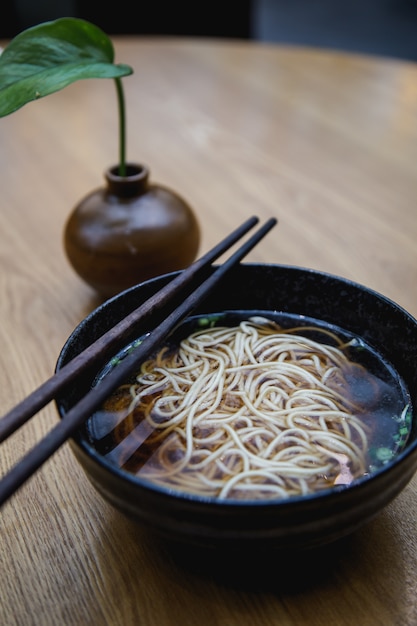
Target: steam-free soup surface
[250,406]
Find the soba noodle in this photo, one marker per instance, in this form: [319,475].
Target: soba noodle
[246,412]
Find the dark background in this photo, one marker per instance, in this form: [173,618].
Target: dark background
[381,27]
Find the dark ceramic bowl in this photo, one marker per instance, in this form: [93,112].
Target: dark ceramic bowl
[298,522]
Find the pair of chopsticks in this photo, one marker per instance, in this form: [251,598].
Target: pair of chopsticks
[107,344]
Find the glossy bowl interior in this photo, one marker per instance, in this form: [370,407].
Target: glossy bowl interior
[298,522]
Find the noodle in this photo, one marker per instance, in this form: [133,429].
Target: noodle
[248,412]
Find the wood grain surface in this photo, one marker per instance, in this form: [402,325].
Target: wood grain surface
[327,143]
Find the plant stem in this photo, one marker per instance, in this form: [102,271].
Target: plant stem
[122,127]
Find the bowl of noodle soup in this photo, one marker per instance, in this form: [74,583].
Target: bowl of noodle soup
[280,414]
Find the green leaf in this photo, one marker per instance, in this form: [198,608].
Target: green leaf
[48,57]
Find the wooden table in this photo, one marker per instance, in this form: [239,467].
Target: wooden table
[325,142]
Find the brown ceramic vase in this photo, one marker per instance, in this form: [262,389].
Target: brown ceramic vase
[129,231]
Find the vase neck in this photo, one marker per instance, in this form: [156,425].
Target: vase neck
[135,182]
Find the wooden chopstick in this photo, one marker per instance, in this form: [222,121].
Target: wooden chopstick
[97,395]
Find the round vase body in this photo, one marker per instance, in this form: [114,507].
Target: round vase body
[130,231]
